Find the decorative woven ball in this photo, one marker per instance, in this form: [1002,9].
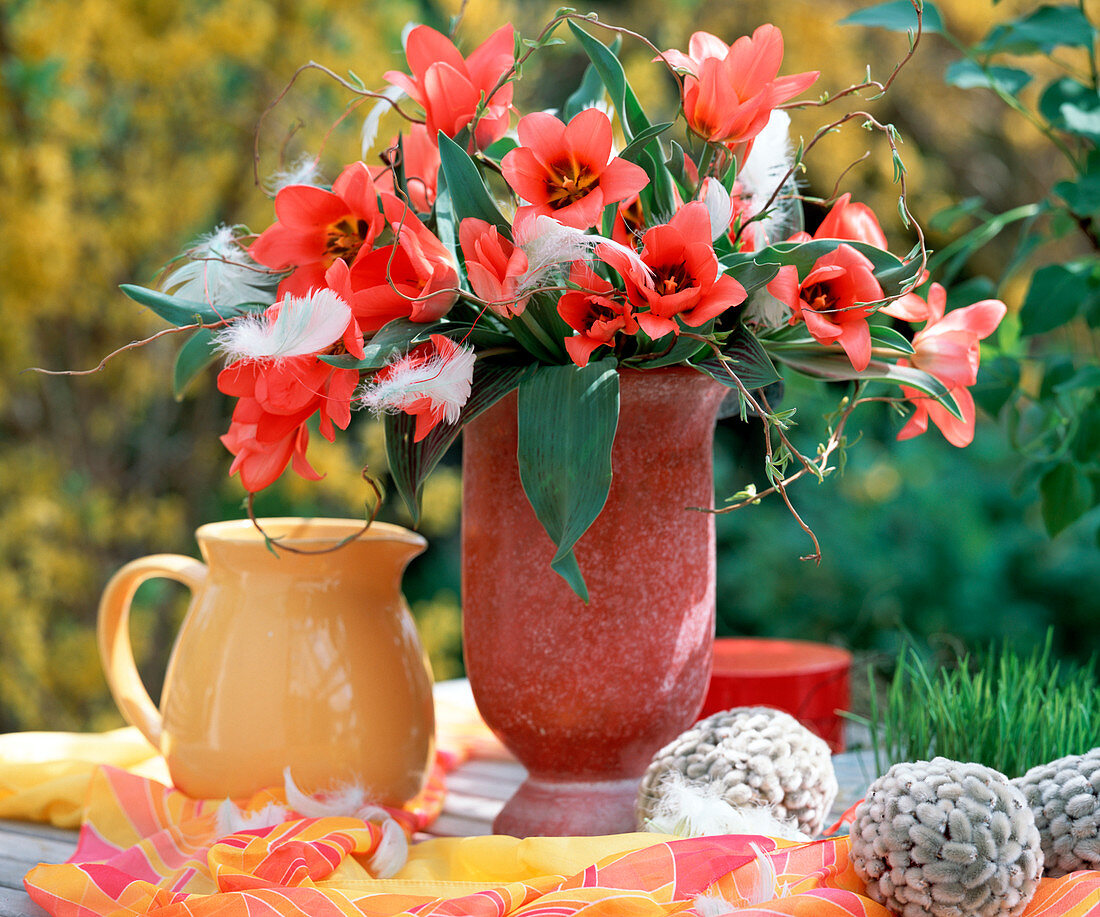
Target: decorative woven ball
[947,839]
[758,756]
[1064,797]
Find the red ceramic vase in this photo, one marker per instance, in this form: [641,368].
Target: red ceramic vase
[584,695]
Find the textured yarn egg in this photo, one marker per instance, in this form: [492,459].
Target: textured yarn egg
[947,839]
[755,756]
[1064,797]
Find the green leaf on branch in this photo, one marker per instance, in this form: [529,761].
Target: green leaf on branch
[199,351]
[631,115]
[468,195]
[633,150]
[1081,196]
[411,462]
[998,381]
[891,272]
[567,419]
[896,16]
[836,367]
[883,336]
[1072,107]
[180,312]
[1066,495]
[1058,294]
[969,74]
[398,335]
[745,358]
[587,95]
[1040,32]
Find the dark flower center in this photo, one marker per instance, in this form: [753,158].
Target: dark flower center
[568,183]
[343,239]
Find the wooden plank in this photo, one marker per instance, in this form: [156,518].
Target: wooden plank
[8,826]
[509,772]
[463,783]
[17,904]
[459,826]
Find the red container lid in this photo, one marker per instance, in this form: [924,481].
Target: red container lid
[808,680]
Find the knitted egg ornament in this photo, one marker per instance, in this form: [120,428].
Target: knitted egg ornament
[947,839]
[1064,797]
[748,757]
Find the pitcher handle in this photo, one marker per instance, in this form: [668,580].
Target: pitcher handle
[113,633]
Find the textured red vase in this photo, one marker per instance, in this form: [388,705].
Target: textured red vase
[584,695]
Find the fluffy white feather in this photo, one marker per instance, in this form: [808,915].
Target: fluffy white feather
[766,888]
[352,801]
[444,378]
[374,118]
[697,810]
[768,163]
[303,325]
[230,819]
[719,207]
[549,246]
[305,171]
[218,271]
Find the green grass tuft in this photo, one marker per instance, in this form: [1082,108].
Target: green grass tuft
[999,708]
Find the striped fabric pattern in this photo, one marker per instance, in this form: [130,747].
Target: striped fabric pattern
[147,849]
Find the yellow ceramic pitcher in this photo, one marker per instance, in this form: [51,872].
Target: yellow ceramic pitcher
[301,660]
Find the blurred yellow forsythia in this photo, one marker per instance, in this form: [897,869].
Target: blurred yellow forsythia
[127,129]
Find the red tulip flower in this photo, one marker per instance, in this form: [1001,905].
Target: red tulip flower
[315,227]
[597,312]
[831,300]
[947,348]
[731,90]
[449,87]
[566,171]
[414,278]
[280,383]
[855,222]
[494,266]
[685,279]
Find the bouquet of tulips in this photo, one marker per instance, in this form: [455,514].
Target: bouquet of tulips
[486,250]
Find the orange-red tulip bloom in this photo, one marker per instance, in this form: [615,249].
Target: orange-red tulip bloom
[731,90]
[831,300]
[449,87]
[315,227]
[414,278]
[686,281]
[566,171]
[597,312]
[494,266]
[947,348]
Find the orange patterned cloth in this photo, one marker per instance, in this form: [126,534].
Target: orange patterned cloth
[147,849]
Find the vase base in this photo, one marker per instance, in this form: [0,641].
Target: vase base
[545,808]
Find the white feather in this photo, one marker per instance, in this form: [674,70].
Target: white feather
[352,801]
[374,118]
[218,271]
[698,810]
[719,207]
[304,325]
[766,888]
[550,246]
[444,380]
[306,170]
[768,163]
[230,819]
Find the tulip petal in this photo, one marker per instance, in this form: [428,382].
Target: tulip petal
[588,139]
[425,46]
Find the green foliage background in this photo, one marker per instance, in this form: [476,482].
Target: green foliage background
[127,128]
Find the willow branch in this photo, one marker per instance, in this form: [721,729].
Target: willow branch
[131,346]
